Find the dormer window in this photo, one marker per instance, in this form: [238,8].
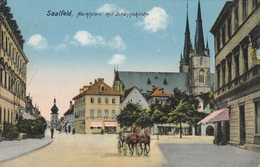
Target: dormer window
[148,81]
[165,81]
[101,88]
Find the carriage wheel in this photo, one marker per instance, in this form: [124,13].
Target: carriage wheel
[124,149]
[119,147]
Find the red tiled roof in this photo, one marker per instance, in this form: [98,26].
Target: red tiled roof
[96,90]
[159,92]
[216,116]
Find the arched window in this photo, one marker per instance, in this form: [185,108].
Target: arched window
[201,61]
[201,76]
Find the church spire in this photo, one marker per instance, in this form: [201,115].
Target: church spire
[187,45]
[199,39]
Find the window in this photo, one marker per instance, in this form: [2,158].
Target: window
[99,113]
[218,76]
[236,17]
[224,35]
[101,88]
[237,65]
[113,100]
[245,56]
[106,113]
[223,73]
[113,113]
[229,27]
[254,3]
[92,100]
[106,100]
[92,113]
[201,61]
[99,99]
[165,81]
[201,76]
[218,42]
[148,81]
[257,117]
[244,9]
[229,70]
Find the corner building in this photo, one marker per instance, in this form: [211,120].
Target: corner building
[95,108]
[13,67]
[237,34]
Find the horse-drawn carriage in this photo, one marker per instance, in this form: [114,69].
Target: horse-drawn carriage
[128,141]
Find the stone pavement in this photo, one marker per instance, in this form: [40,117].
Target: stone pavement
[101,150]
[16,148]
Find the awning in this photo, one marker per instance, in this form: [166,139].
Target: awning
[110,123]
[95,124]
[217,116]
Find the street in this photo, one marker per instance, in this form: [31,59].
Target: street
[101,150]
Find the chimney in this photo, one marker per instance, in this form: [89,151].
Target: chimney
[70,105]
[101,79]
[90,83]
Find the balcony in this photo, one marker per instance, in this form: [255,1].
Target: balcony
[242,82]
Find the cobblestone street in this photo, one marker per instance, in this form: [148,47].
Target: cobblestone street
[68,150]
[85,150]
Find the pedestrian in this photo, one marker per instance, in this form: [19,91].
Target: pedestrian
[102,132]
[52,131]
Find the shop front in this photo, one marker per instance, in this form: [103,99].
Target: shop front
[110,127]
[95,127]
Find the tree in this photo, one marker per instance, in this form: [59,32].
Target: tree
[129,115]
[183,108]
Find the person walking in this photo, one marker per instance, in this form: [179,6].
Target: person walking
[52,131]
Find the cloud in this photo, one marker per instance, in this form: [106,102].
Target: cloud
[84,38]
[109,8]
[156,20]
[37,42]
[117,59]
[117,43]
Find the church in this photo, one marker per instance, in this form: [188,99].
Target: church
[194,75]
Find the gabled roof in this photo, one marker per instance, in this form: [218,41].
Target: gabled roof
[205,97]
[98,88]
[159,92]
[128,91]
[69,111]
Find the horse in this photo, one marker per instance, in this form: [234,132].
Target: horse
[145,142]
[132,139]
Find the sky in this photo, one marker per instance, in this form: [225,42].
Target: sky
[70,43]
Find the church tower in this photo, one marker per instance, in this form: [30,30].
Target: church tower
[118,85]
[54,115]
[184,62]
[199,65]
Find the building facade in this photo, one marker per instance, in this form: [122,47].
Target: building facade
[69,119]
[237,34]
[13,67]
[95,108]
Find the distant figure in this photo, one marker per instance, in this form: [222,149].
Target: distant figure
[102,132]
[73,131]
[52,131]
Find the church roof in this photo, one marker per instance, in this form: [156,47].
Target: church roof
[147,81]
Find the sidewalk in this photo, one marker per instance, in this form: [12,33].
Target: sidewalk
[16,148]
